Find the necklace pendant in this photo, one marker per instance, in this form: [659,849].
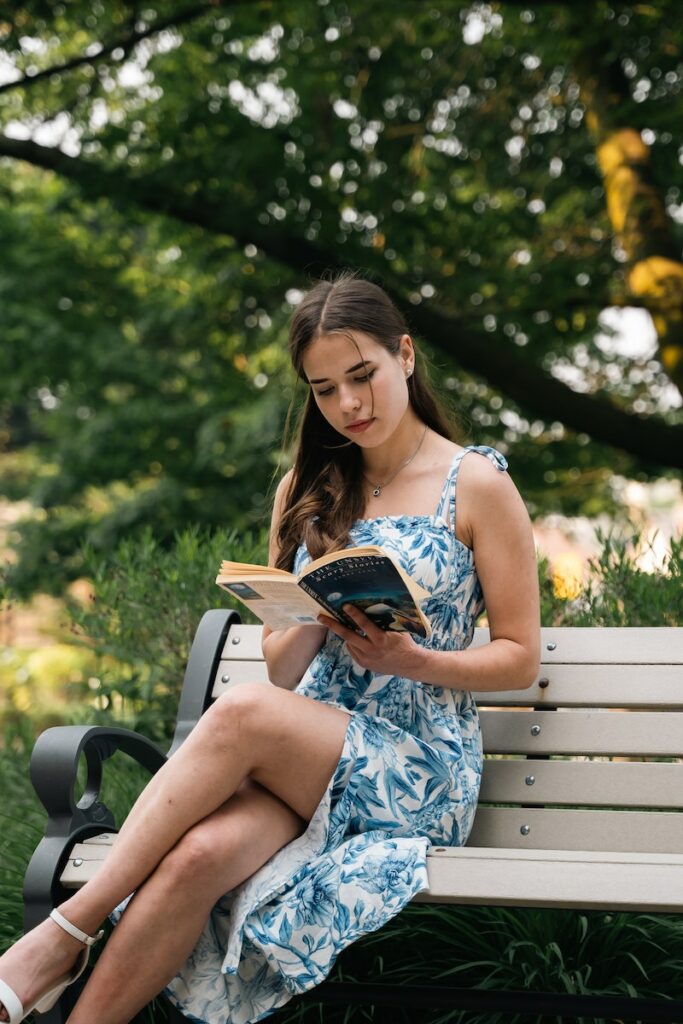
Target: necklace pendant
[377,491]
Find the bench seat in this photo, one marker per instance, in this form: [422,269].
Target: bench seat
[530,878]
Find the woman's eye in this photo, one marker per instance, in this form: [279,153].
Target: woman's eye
[360,380]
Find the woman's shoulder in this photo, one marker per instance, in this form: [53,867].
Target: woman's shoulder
[490,464]
[485,492]
[282,492]
[284,484]
[450,459]
[481,474]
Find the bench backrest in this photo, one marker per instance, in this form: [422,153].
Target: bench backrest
[590,757]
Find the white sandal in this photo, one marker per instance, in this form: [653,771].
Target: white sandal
[47,1000]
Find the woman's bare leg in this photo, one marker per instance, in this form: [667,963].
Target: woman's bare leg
[287,742]
[166,915]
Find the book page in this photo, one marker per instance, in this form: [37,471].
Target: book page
[244,570]
[279,603]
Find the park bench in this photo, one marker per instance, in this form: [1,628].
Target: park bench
[580,805]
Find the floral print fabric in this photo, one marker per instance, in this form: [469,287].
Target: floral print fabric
[408,777]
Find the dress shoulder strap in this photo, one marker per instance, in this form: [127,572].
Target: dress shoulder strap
[446,507]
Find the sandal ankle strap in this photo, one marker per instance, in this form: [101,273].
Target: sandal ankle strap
[67,926]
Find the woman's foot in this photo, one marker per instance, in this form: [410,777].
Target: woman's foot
[37,962]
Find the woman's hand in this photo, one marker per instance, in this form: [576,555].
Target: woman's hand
[385,652]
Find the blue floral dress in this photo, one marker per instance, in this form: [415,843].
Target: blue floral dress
[408,777]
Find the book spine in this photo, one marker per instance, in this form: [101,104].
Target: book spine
[336,613]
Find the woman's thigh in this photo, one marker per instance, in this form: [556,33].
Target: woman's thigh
[293,743]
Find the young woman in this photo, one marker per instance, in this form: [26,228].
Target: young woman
[297,817]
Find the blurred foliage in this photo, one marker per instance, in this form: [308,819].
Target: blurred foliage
[22,824]
[147,602]
[23,820]
[45,683]
[617,592]
[210,161]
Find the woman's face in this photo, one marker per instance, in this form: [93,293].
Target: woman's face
[360,389]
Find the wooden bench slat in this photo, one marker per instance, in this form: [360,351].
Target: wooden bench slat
[607,645]
[511,877]
[591,783]
[625,733]
[622,686]
[638,645]
[231,673]
[619,686]
[85,859]
[243,642]
[568,829]
[504,877]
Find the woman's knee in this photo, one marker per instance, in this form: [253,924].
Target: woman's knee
[198,854]
[241,708]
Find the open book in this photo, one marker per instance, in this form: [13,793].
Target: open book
[366,577]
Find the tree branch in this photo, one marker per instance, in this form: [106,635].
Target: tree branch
[126,43]
[492,358]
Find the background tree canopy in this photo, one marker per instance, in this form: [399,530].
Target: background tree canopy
[173,176]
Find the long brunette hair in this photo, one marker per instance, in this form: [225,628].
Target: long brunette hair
[325,495]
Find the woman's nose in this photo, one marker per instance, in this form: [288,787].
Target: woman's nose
[347,400]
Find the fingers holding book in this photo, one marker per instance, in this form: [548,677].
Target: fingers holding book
[385,651]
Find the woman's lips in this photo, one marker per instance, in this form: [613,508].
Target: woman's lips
[358,428]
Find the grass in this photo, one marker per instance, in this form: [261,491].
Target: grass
[497,948]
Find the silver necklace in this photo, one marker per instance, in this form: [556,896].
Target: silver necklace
[378,488]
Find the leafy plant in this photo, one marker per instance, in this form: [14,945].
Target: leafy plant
[147,603]
[617,591]
[22,825]
[522,949]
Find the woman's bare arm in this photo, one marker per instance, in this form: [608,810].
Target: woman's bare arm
[288,652]
[505,560]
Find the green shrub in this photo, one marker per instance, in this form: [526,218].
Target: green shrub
[147,604]
[618,593]
[493,948]
[22,825]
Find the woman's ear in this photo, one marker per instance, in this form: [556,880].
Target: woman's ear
[407,351]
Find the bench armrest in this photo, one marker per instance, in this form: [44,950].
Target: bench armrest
[53,769]
[54,766]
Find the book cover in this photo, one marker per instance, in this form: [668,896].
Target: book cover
[371,583]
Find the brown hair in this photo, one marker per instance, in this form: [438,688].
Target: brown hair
[325,496]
